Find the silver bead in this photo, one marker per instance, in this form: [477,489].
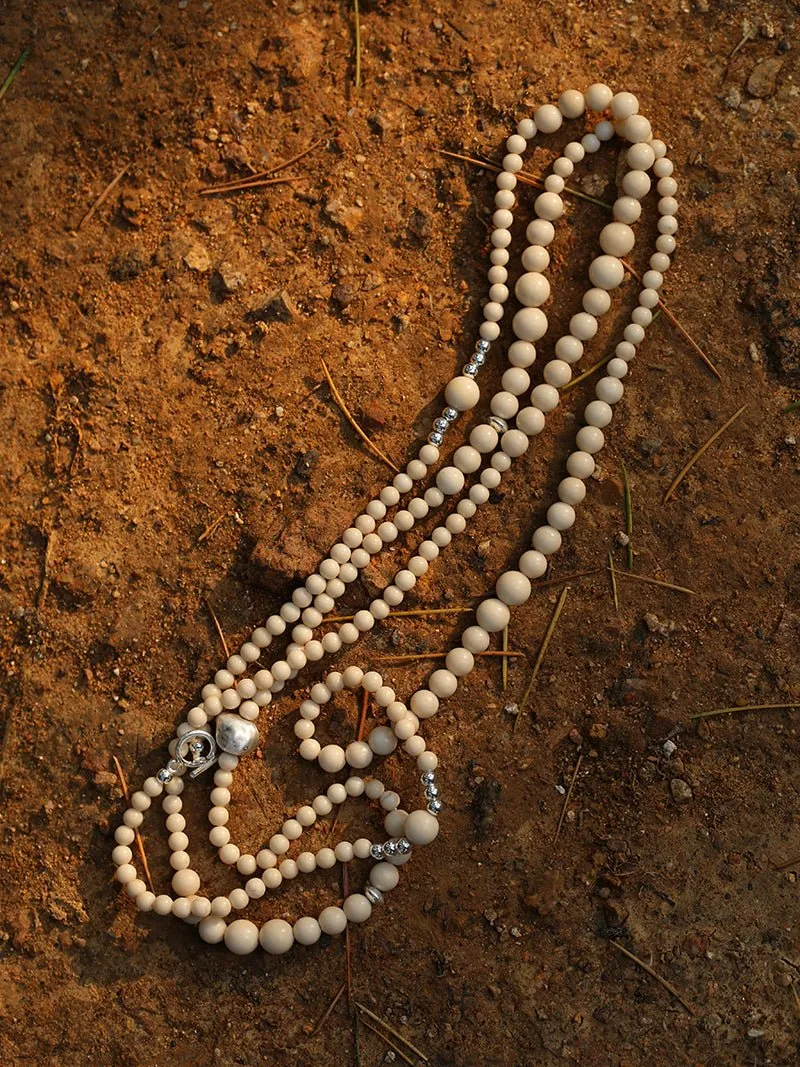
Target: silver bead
[482,346]
[390,848]
[376,851]
[479,358]
[498,424]
[442,425]
[403,846]
[164,776]
[435,438]
[236,735]
[432,792]
[450,414]
[428,776]
[471,369]
[373,895]
[435,807]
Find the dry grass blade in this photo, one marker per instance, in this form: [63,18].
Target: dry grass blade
[357,29]
[504,654]
[525,178]
[745,707]
[266,173]
[586,374]
[791,407]
[387,1041]
[337,396]
[104,195]
[628,514]
[701,451]
[210,529]
[568,578]
[328,1011]
[630,576]
[412,613]
[14,72]
[681,329]
[249,183]
[567,798]
[411,656]
[217,626]
[543,649]
[613,574]
[654,974]
[139,842]
[382,1022]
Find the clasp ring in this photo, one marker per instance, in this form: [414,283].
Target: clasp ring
[197,751]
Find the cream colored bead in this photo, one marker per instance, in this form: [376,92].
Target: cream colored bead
[357,908]
[548,118]
[533,564]
[532,289]
[571,104]
[462,393]
[212,929]
[241,937]
[529,324]
[513,588]
[332,921]
[421,827]
[443,683]
[546,540]
[186,882]
[598,97]
[306,931]
[493,615]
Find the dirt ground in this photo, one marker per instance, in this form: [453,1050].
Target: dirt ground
[161,379]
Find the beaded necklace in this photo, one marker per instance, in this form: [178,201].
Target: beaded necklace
[222,728]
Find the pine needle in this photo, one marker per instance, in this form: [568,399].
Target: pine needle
[613,581]
[14,72]
[215,620]
[404,1040]
[337,396]
[505,659]
[745,707]
[211,528]
[357,28]
[411,613]
[586,374]
[259,177]
[386,1040]
[653,974]
[139,842]
[567,798]
[628,515]
[791,407]
[567,578]
[543,649]
[328,1010]
[525,178]
[103,196]
[362,722]
[655,581]
[701,450]
[505,653]
[249,183]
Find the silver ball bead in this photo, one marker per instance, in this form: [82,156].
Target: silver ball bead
[498,424]
[483,346]
[432,792]
[442,425]
[174,766]
[403,846]
[164,776]
[236,735]
[435,438]
[471,369]
[479,358]
[428,777]
[376,851]
[435,807]
[450,414]
[390,848]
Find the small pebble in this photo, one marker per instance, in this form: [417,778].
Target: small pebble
[669,748]
[681,791]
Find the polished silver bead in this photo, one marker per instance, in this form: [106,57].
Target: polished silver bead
[432,792]
[435,438]
[403,846]
[373,895]
[390,848]
[479,358]
[498,424]
[482,346]
[427,777]
[164,776]
[376,851]
[236,735]
[435,807]
[471,369]
[442,425]
[450,414]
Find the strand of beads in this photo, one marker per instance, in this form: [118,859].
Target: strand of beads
[235,701]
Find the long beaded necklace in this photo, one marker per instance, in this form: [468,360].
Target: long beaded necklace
[222,728]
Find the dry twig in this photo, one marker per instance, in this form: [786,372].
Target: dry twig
[613,574]
[215,620]
[701,450]
[103,196]
[567,798]
[139,842]
[337,396]
[653,974]
[261,177]
[630,576]
[628,514]
[542,650]
[376,1018]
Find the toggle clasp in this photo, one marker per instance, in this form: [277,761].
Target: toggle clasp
[197,751]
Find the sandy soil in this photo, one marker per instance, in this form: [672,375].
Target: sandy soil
[160,371]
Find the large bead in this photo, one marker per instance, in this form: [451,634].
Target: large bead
[236,735]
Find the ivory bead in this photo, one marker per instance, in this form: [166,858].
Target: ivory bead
[526,128]
[515,444]
[563,167]
[492,615]
[529,324]
[640,156]
[272,878]
[357,908]
[535,258]
[122,855]
[547,118]
[450,480]
[512,162]
[475,639]
[637,129]
[358,754]
[493,310]
[124,835]
[241,937]
[219,836]
[549,206]
[627,209]
[623,105]
[571,104]
[145,901]
[598,413]
[179,861]
[255,888]
[331,758]
[561,516]
[596,301]
[531,421]
[590,143]
[532,289]
[186,882]
[583,326]
[459,662]
[574,151]
[604,130]
[126,872]
[306,862]
[513,588]
[617,368]
[482,439]
[633,333]
[421,827]
[606,272]
[653,279]
[636,183]
[212,929]
[505,405]
[384,876]
[134,818]
[545,397]
[540,232]
[533,564]
[382,741]
[598,97]
[135,888]
[546,540]
[617,239]
[162,905]
[344,852]
[571,491]
[229,854]
[332,921]
[462,393]
[610,390]
[668,225]
[501,238]
[569,348]
[443,683]
[354,786]
[590,439]
[326,858]
[306,931]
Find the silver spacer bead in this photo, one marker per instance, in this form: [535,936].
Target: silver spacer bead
[373,895]
[376,851]
[390,848]
[483,346]
[440,424]
[164,776]
[450,414]
[432,792]
[478,358]
[428,777]
[435,438]
[435,807]
[471,369]
[498,424]
[403,846]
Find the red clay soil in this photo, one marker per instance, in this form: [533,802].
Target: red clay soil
[161,378]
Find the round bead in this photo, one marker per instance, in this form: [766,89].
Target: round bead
[450,480]
[384,876]
[306,930]
[492,615]
[571,104]
[421,827]
[462,393]
[531,421]
[546,540]
[617,239]
[212,929]
[331,758]
[357,908]
[598,97]
[332,921]
[606,272]
[547,118]
[533,564]
[598,413]
[186,882]
[560,516]
[623,105]
[640,156]
[532,289]
[590,439]
[549,206]
[241,937]
[513,588]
